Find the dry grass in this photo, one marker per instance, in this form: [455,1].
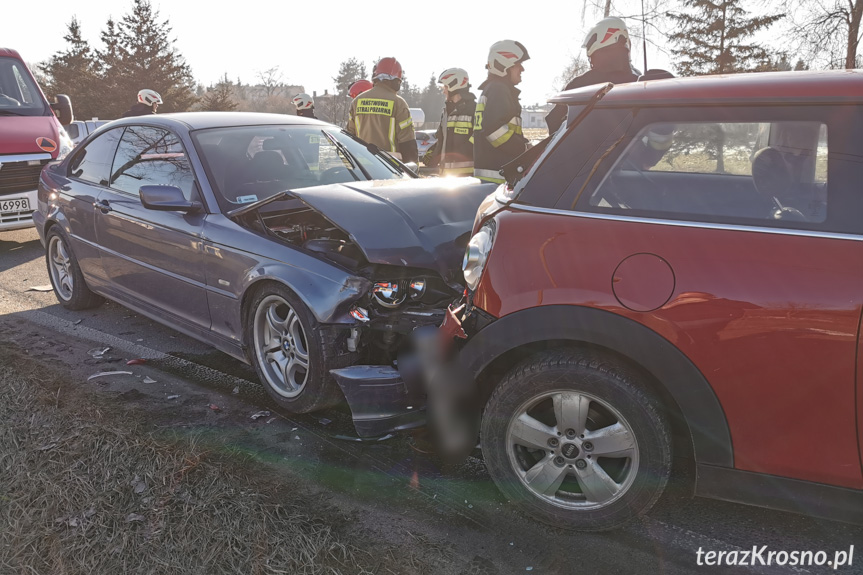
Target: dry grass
[85,490]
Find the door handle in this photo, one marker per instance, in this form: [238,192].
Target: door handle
[103,206]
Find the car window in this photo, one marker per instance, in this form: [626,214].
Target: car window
[151,156]
[422,137]
[93,162]
[249,163]
[72,130]
[742,171]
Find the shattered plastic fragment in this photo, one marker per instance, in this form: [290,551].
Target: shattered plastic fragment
[77,322]
[149,380]
[270,420]
[172,397]
[215,407]
[138,361]
[325,421]
[98,352]
[138,485]
[260,414]
[236,390]
[106,373]
[40,288]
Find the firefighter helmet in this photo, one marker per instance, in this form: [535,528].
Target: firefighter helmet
[149,97]
[387,69]
[303,101]
[607,32]
[359,87]
[454,79]
[504,55]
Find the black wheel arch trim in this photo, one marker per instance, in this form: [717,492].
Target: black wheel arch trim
[685,383]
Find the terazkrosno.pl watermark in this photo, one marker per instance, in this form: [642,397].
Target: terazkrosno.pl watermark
[764,556]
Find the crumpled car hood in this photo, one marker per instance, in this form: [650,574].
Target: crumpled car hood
[423,223]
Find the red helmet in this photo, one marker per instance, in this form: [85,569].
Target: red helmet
[387,69]
[359,87]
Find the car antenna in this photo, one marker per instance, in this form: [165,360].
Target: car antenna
[644,36]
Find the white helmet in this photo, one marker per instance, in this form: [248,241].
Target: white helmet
[607,32]
[303,101]
[504,55]
[149,97]
[454,79]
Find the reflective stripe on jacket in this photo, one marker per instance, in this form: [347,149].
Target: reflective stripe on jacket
[455,146]
[381,117]
[497,131]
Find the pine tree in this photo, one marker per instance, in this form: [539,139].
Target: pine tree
[140,54]
[73,72]
[219,98]
[113,99]
[432,100]
[711,38]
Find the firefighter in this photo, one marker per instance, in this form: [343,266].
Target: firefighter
[497,134]
[381,117]
[453,151]
[359,87]
[148,102]
[305,106]
[607,46]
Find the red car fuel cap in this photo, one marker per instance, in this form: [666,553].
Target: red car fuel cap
[643,282]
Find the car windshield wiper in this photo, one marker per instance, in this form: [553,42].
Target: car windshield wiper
[355,163]
[259,204]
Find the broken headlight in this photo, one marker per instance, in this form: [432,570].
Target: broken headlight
[393,294]
[476,255]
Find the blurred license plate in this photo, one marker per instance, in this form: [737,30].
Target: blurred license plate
[14,205]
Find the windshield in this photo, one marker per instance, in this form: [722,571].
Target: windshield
[250,163]
[19,95]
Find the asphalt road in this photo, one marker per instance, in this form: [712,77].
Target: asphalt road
[390,487]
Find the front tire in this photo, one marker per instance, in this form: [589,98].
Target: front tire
[288,353]
[65,273]
[576,441]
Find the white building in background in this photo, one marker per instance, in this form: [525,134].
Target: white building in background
[534,116]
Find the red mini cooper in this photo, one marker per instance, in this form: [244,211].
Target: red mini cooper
[677,276]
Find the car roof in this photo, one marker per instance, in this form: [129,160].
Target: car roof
[10,52]
[204,120]
[838,86]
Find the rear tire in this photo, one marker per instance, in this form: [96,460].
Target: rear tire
[65,273]
[576,441]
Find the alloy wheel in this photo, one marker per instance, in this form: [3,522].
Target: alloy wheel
[282,350]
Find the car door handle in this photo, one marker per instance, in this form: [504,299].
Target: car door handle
[102,205]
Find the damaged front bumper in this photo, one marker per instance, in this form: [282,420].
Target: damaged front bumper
[380,400]
[384,399]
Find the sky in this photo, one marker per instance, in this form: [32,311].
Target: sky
[245,38]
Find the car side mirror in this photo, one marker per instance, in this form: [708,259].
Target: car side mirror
[167,199]
[63,107]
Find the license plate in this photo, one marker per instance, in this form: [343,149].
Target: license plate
[15,205]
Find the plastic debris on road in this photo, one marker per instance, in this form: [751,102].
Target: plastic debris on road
[325,421]
[98,352]
[172,397]
[215,407]
[138,361]
[107,373]
[260,414]
[236,390]
[270,420]
[149,380]
[47,287]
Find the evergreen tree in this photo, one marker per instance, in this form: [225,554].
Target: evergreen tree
[432,101]
[140,54]
[73,72]
[112,98]
[336,109]
[219,98]
[711,38]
